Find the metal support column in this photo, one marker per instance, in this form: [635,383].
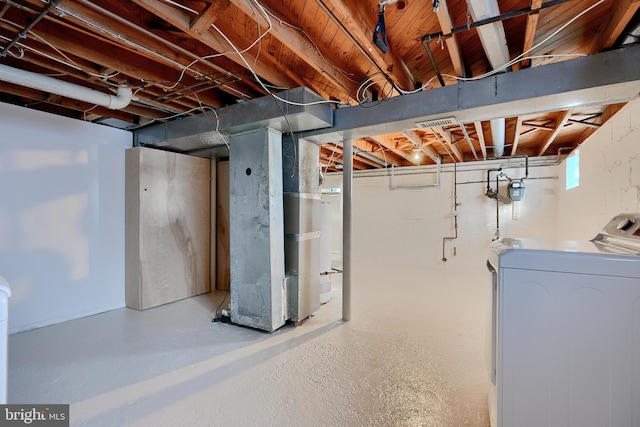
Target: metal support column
[347,177]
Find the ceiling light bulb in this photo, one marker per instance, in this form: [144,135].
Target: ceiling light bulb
[416,154]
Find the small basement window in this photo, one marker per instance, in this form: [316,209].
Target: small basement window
[573,170]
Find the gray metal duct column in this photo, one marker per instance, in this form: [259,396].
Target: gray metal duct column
[257,229]
[302,217]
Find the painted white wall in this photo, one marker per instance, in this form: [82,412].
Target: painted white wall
[61,216]
[609,177]
[404,228]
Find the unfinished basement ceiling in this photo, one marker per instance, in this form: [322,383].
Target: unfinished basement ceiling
[186,57]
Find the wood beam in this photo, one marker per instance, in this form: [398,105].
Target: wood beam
[339,150]
[622,12]
[530,31]
[126,21]
[377,151]
[516,136]
[391,143]
[444,18]
[480,133]
[338,157]
[267,67]
[357,21]
[85,50]
[560,122]
[301,46]
[445,135]
[417,140]
[209,15]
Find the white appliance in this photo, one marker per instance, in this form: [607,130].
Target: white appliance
[5,293]
[565,330]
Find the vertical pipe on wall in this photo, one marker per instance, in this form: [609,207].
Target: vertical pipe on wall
[347,177]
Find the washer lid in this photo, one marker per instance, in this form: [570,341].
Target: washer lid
[4,287]
[568,256]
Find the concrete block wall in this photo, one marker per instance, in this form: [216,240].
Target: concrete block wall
[609,177]
[404,228]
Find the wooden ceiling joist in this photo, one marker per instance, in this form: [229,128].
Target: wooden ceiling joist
[209,15]
[623,11]
[444,18]
[445,135]
[378,151]
[390,142]
[300,45]
[516,135]
[267,67]
[530,31]
[356,21]
[480,136]
[561,120]
[416,139]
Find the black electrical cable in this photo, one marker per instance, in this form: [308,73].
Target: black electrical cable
[380,33]
[216,316]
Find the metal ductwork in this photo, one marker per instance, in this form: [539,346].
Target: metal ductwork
[66,89]
[303,110]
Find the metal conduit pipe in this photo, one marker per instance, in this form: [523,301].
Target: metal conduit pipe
[436,184]
[455,212]
[347,178]
[66,89]
[497,207]
[492,19]
[22,34]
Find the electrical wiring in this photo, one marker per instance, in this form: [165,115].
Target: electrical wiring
[369,82]
[333,152]
[133,44]
[216,55]
[306,35]
[184,68]
[46,55]
[300,104]
[521,57]
[75,64]
[217,121]
[84,113]
[20,54]
[220,305]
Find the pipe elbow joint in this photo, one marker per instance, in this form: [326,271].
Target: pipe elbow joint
[121,99]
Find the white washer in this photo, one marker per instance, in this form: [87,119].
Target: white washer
[565,330]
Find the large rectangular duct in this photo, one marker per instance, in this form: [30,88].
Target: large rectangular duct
[257,230]
[203,133]
[302,216]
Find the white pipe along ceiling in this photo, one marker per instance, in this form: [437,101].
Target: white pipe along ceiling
[494,42]
[58,87]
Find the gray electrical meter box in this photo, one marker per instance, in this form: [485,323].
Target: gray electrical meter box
[516,190]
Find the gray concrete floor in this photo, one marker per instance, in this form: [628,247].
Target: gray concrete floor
[412,355]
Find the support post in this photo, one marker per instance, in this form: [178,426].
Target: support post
[347,177]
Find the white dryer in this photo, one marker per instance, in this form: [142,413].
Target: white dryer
[565,330]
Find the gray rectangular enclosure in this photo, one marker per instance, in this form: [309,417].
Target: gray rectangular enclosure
[257,230]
